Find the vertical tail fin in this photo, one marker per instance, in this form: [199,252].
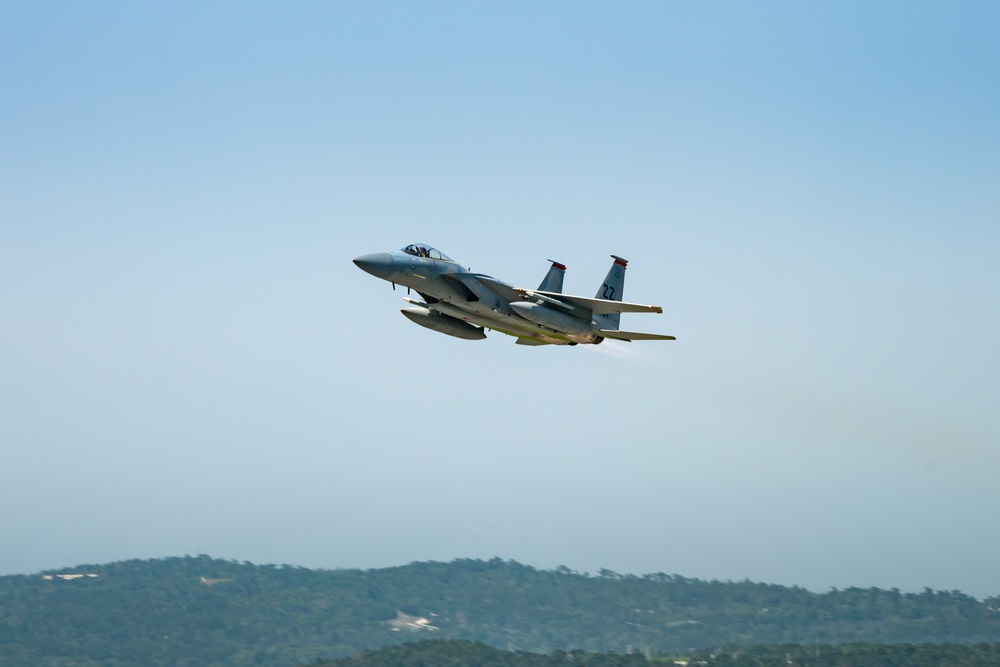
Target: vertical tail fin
[553,280]
[612,289]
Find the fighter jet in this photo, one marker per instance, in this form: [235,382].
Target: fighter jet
[464,304]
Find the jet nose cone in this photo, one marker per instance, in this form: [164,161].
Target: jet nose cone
[379,264]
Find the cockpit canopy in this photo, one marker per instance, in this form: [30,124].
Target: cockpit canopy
[424,250]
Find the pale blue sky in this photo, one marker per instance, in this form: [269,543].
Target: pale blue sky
[192,363]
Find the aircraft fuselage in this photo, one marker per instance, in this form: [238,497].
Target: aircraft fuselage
[461,303]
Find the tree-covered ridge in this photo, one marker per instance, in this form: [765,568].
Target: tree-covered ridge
[677,612]
[204,611]
[440,652]
[474,654]
[854,655]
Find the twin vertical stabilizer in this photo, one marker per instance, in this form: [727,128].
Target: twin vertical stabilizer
[553,280]
[612,289]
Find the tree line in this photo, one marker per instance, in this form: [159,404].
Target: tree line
[439,653]
[198,611]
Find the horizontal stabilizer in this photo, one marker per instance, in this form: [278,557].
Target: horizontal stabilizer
[633,335]
[599,306]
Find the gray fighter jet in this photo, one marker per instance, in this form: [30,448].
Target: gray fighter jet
[463,304]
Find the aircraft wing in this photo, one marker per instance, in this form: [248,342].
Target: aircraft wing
[506,290]
[458,281]
[633,335]
[597,306]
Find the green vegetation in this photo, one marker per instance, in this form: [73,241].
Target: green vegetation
[469,654]
[855,655]
[199,611]
[440,652]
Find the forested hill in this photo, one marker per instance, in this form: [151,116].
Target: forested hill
[197,611]
[476,654]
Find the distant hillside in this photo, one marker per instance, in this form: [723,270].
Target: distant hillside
[199,611]
[475,654]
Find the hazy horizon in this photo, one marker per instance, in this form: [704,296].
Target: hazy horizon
[193,364]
